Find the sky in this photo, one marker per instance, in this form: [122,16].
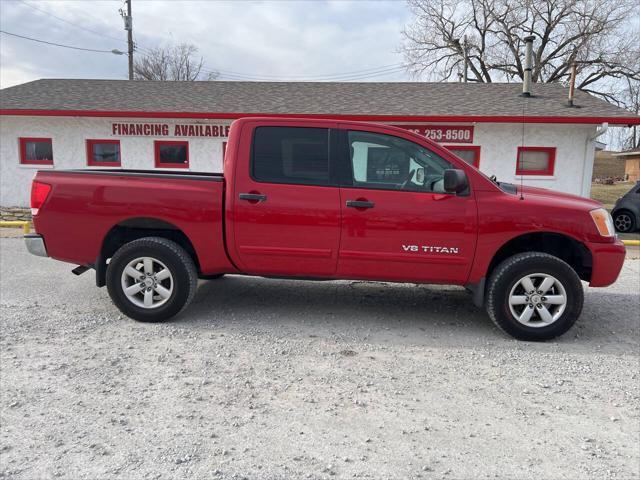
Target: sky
[263,40]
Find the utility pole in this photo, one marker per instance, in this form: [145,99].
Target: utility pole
[128,26]
[465,47]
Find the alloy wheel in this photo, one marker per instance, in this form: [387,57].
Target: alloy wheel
[537,300]
[147,282]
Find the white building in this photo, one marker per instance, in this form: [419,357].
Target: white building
[63,124]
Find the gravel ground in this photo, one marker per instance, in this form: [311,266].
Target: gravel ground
[270,379]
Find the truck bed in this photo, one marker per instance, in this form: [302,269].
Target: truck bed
[85,206]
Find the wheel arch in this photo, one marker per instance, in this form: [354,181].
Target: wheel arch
[134,228]
[566,248]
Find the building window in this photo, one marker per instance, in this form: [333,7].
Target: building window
[536,160]
[36,151]
[468,153]
[103,153]
[172,154]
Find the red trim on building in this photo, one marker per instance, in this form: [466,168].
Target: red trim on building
[92,163]
[550,165]
[367,118]
[474,148]
[156,147]
[23,150]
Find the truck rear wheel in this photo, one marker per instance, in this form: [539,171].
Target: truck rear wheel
[534,296]
[151,279]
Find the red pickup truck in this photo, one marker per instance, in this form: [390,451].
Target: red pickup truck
[326,200]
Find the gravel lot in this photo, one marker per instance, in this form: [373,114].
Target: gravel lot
[270,379]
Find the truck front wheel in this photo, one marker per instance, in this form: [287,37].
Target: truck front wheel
[151,279]
[534,296]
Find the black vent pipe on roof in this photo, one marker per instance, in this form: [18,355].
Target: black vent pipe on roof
[528,65]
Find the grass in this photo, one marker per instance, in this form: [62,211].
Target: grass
[608,194]
[607,166]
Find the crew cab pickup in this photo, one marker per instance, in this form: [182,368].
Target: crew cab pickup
[326,200]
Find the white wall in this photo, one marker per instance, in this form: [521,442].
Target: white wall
[69,136]
[499,144]
[574,153]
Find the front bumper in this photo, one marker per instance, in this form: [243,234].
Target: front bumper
[608,259]
[35,244]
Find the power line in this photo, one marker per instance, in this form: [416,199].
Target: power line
[59,44]
[230,74]
[71,23]
[136,46]
[336,78]
[373,72]
[328,75]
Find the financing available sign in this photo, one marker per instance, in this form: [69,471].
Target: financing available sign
[129,129]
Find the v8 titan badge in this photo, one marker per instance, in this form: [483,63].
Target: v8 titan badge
[429,249]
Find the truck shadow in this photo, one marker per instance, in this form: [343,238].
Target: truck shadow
[398,313]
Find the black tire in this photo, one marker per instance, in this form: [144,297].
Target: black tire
[624,221]
[184,279]
[507,275]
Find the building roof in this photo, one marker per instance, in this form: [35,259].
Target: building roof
[634,152]
[389,101]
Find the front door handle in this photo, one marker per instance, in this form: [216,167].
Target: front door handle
[360,204]
[253,197]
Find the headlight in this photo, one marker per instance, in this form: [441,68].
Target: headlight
[603,222]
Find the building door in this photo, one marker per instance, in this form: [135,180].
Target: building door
[398,223]
[287,214]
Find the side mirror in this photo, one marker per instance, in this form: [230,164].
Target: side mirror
[455,181]
[420,176]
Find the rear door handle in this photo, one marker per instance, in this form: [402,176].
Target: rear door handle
[360,204]
[253,197]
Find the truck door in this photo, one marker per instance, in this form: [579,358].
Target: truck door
[398,223]
[286,209]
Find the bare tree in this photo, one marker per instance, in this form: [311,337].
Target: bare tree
[483,40]
[170,63]
[629,96]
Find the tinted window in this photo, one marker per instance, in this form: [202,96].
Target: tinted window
[36,150]
[387,162]
[172,154]
[104,152]
[291,155]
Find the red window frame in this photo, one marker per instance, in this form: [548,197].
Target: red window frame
[92,163]
[473,148]
[159,143]
[23,150]
[550,165]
